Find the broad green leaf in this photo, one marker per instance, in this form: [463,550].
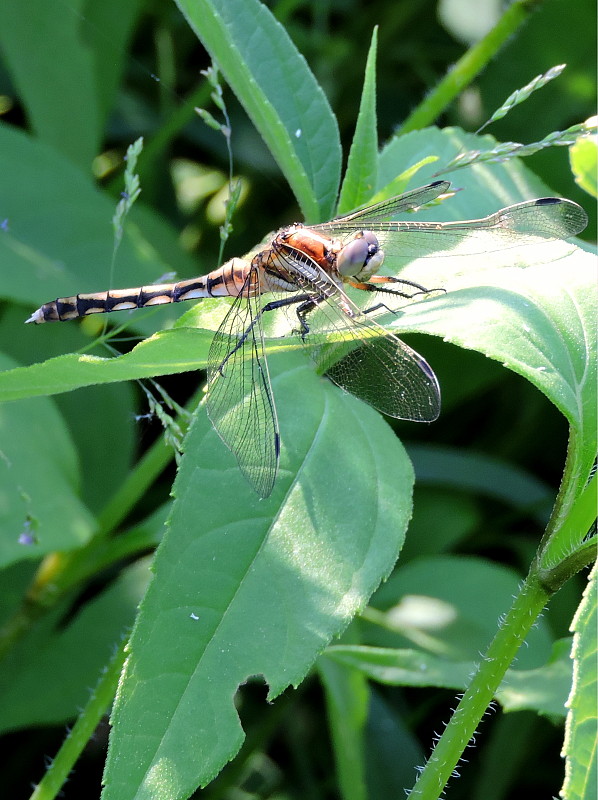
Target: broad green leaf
[66,62]
[581,780]
[543,689]
[360,178]
[449,606]
[73,654]
[280,94]
[254,587]
[347,696]
[40,510]
[57,239]
[584,163]
[539,322]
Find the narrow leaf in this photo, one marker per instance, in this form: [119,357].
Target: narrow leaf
[165,353]
[362,168]
[347,697]
[274,84]
[543,689]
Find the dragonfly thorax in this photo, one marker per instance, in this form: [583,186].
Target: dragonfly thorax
[361,257]
[321,249]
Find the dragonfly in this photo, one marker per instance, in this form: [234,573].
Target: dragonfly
[314,273]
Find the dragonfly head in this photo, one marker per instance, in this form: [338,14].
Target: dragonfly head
[361,257]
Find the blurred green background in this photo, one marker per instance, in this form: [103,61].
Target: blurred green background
[418,42]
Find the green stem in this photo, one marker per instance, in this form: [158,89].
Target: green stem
[449,749]
[468,66]
[59,769]
[573,514]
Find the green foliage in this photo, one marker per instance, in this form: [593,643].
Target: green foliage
[543,690]
[521,95]
[58,228]
[584,164]
[580,740]
[347,700]
[64,48]
[131,192]
[278,91]
[361,175]
[244,590]
[40,489]
[505,150]
[303,574]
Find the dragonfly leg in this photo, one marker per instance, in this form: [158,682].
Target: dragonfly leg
[306,307]
[271,306]
[374,285]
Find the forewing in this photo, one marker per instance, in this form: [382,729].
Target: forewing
[358,354]
[385,210]
[240,403]
[522,224]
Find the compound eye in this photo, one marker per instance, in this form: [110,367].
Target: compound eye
[354,256]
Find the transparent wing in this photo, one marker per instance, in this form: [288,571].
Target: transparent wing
[525,223]
[240,403]
[358,354]
[387,209]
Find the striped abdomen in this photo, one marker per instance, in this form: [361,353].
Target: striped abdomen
[226,281]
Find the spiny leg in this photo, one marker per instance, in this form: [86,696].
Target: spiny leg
[374,285]
[308,305]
